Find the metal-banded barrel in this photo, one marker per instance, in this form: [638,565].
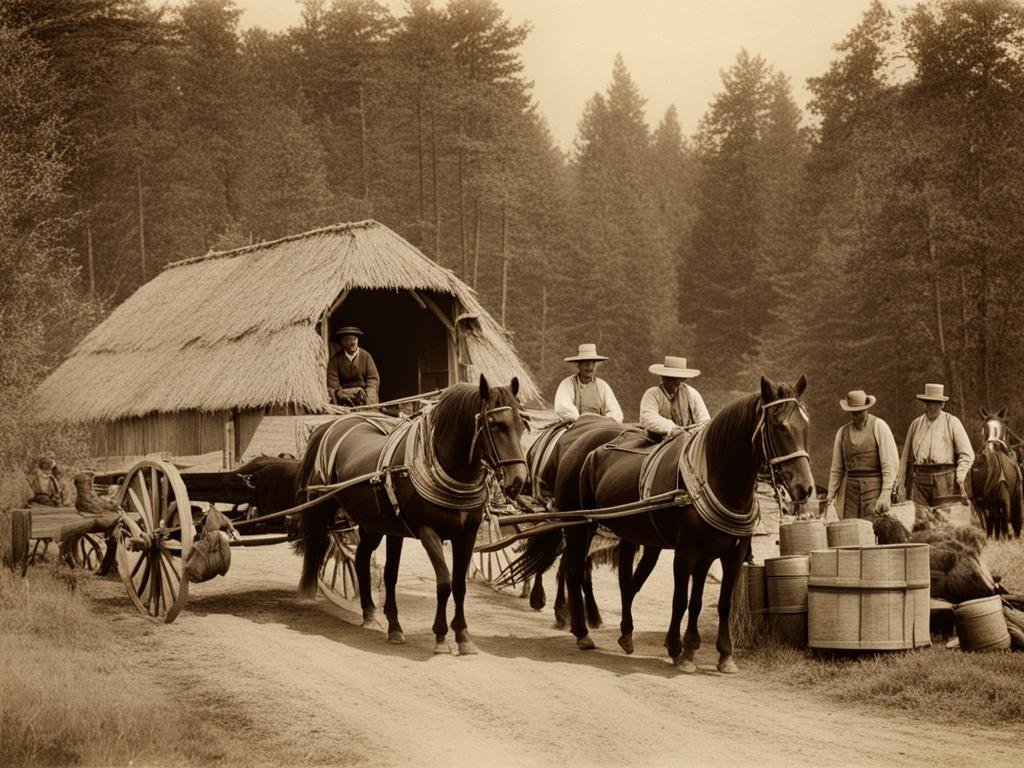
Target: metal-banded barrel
[786,585]
[854,532]
[801,536]
[980,624]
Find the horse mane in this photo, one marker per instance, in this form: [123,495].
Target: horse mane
[454,416]
[739,416]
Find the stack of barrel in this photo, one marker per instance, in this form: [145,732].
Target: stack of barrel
[832,587]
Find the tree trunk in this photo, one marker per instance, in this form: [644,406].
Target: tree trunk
[89,255]
[362,145]
[504,262]
[462,214]
[437,202]
[419,150]
[142,221]
[543,323]
[476,244]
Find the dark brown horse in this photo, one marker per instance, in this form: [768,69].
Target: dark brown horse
[438,492]
[542,461]
[996,488]
[766,428]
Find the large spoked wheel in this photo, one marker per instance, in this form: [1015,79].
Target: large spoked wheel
[337,580]
[154,539]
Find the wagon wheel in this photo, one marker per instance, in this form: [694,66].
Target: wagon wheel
[337,578]
[154,538]
[490,565]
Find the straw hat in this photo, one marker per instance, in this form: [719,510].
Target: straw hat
[348,330]
[674,367]
[585,353]
[934,393]
[857,400]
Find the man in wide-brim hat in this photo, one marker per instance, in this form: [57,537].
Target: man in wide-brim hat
[674,404]
[352,377]
[864,458]
[584,392]
[937,454]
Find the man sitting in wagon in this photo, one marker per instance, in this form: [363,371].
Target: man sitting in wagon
[352,377]
[666,409]
[45,482]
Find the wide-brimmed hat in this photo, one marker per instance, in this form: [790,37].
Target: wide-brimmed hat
[348,330]
[857,400]
[674,367]
[585,353]
[934,393]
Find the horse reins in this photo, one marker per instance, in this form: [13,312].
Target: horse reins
[771,459]
[489,448]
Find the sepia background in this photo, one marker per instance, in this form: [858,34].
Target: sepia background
[765,188]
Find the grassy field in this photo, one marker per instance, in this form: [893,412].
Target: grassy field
[66,695]
[948,686]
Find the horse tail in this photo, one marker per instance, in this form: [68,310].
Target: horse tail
[311,525]
[537,556]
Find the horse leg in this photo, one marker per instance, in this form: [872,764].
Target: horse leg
[435,551]
[577,545]
[627,551]
[645,567]
[732,562]
[462,553]
[368,543]
[561,609]
[394,545]
[691,639]
[681,573]
[593,612]
[537,597]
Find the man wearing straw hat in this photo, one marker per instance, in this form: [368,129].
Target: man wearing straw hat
[937,454]
[864,457]
[584,392]
[352,377]
[666,409]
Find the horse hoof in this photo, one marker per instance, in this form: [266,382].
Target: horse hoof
[595,623]
[370,624]
[467,648]
[674,648]
[626,643]
[396,638]
[684,665]
[585,643]
[441,646]
[537,603]
[559,624]
[727,666]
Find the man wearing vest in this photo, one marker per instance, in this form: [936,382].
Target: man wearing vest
[864,457]
[937,454]
[583,392]
[666,409]
[352,377]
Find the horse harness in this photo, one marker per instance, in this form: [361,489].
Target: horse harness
[770,459]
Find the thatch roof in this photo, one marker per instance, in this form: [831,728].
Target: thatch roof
[237,329]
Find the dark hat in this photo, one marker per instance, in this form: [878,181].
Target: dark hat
[348,330]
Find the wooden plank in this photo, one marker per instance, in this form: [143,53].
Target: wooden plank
[15,525]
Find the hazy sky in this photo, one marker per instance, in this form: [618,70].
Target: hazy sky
[675,49]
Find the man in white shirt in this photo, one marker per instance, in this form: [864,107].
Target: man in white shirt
[666,409]
[584,392]
[864,457]
[937,454]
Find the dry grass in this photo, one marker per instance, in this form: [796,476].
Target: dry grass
[66,696]
[947,686]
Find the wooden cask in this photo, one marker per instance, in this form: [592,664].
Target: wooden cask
[15,531]
[801,536]
[786,586]
[854,532]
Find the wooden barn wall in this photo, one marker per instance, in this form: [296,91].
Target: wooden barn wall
[179,434]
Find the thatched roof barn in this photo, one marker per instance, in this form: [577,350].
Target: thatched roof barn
[231,336]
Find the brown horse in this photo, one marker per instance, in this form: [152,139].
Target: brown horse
[766,428]
[435,490]
[542,461]
[996,487]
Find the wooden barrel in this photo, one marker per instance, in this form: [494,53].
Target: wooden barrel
[869,598]
[747,621]
[980,625]
[801,536]
[786,587]
[15,531]
[757,596]
[850,533]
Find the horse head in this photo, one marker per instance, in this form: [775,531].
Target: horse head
[783,434]
[993,428]
[499,433]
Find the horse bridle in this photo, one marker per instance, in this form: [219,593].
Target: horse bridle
[489,449]
[771,458]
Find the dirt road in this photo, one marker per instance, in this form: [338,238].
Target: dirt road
[300,682]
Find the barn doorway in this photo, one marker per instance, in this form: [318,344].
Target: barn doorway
[408,341]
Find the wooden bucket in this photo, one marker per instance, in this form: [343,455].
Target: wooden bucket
[869,598]
[850,533]
[905,512]
[980,625]
[801,536]
[786,588]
